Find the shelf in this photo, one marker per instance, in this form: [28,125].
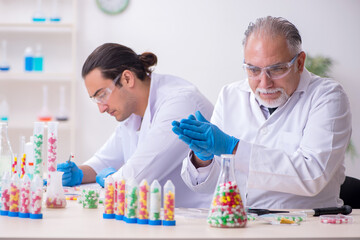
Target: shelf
[37,27]
[12,125]
[36,76]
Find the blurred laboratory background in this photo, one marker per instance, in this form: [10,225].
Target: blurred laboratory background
[43,45]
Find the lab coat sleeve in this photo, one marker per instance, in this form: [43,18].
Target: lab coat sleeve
[201,180]
[109,155]
[321,151]
[158,154]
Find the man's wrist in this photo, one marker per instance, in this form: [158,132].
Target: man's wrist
[197,162]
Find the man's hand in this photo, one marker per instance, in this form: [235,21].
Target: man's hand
[204,137]
[202,154]
[72,174]
[100,177]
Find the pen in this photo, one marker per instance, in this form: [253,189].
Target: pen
[346,209]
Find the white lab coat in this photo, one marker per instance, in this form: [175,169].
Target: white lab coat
[154,151]
[293,159]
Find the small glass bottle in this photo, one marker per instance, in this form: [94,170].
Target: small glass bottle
[169,204]
[38,59]
[155,203]
[227,209]
[6,154]
[29,59]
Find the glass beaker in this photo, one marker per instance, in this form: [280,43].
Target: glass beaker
[227,209]
[55,196]
[6,154]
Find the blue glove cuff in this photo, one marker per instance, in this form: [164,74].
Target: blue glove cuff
[100,177]
[231,146]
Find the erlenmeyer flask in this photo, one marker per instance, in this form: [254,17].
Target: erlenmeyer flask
[227,209]
[6,155]
[55,196]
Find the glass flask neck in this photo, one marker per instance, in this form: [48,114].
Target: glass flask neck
[227,168]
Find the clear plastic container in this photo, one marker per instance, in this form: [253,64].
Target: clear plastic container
[38,145]
[109,198]
[131,201]
[5,193]
[25,188]
[169,204]
[36,198]
[120,199]
[155,203]
[227,209]
[52,139]
[14,196]
[143,207]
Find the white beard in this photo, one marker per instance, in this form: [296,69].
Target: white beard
[272,103]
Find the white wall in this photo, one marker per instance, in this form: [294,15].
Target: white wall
[201,42]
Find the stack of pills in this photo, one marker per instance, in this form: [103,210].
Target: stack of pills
[120,199]
[109,198]
[90,198]
[143,214]
[227,209]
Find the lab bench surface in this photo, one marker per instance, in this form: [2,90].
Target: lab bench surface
[75,222]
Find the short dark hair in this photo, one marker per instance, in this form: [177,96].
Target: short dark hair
[112,59]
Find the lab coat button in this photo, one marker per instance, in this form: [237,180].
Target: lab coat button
[264,131]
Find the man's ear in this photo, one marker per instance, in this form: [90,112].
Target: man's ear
[300,62]
[128,79]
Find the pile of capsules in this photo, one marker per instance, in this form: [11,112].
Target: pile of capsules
[133,203]
[21,198]
[227,209]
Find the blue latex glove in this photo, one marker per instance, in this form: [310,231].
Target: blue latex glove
[208,136]
[100,177]
[72,174]
[202,154]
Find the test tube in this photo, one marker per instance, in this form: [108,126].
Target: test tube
[22,157]
[25,197]
[120,199]
[143,212]
[36,198]
[14,165]
[38,143]
[52,138]
[155,203]
[131,201]
[5,194]
[14,196]
[169,204]
[109,198]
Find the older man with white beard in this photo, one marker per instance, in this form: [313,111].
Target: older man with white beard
[289,129]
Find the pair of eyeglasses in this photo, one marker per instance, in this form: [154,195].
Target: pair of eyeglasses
[102,95]
[274,72]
